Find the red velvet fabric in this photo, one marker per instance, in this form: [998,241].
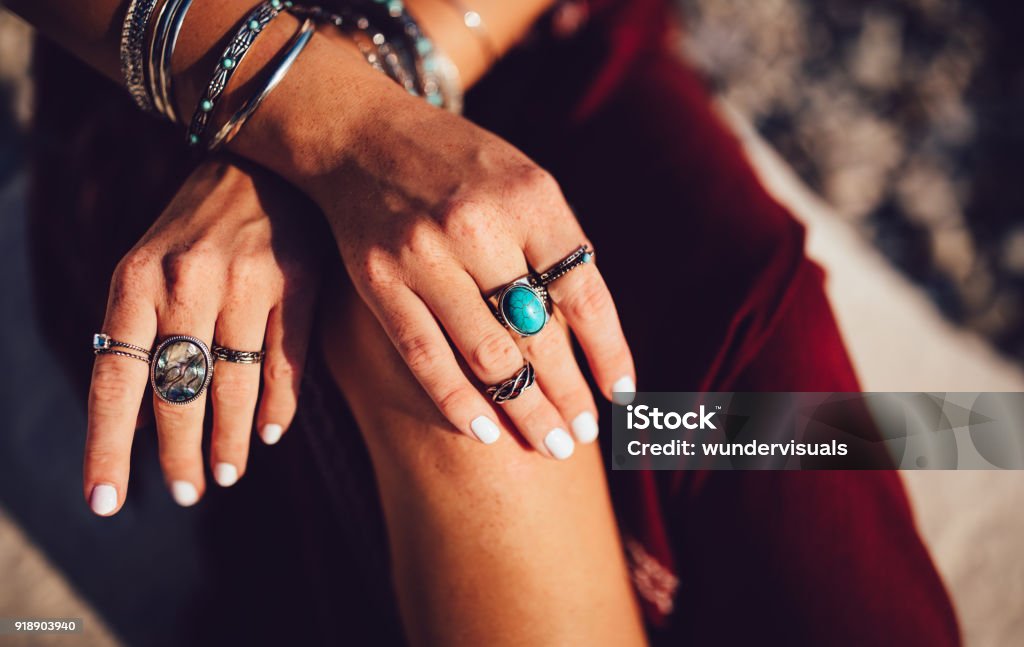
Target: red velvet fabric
[715,293]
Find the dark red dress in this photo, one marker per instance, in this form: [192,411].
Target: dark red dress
[715,293]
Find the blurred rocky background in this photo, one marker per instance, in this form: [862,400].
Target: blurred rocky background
[906,116]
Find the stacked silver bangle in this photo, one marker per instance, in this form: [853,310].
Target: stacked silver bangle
[133,36]
[388,36]
[228,62]
[161,51]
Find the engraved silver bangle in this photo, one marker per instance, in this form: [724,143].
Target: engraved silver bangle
[230,58]
[287,59]
[161,53]
[133,36]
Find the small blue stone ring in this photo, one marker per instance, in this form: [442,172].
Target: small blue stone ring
[580,256]
[522,306]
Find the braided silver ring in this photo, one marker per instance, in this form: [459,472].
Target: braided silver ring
[104,344]
[513,387]
[223,353]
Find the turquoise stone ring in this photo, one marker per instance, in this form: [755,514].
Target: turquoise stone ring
[522,306]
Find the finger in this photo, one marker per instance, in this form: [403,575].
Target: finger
[559,377]
[115,395]
[415,333]
[288,331]
[234,391]
[180,426]
[493,356]
[584,299]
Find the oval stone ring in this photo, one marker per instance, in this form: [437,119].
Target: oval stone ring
[522,306]
[181,370]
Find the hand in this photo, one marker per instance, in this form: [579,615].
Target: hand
[230,262]
[431,214]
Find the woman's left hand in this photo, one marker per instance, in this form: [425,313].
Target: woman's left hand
[229,262]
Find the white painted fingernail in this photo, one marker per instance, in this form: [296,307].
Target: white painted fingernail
[559,443]
[624,390]
[485,430]
[271,433]
[103,499]
[584,426]
[184,493]
[225,474]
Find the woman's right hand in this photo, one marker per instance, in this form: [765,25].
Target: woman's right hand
[432,213]
[234,260]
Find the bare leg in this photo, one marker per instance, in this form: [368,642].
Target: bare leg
[491,545]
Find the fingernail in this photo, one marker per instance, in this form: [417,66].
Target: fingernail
[624,390]
[103,499]
[584,426]
[559,443]
[184,493]
[271,434]
[485,430]
[225,474]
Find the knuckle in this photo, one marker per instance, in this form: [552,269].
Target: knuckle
[244,269]
[280,371]
[137,267]
[589,300]
[378,270]
[535,180]
[454,400]
[549,343]
[231,387]
[112,387]
[184,270]
[495,354]
[421,353]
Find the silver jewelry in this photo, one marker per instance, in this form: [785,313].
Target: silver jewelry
[103,344]
[161,53]
[237,120]
[225,354]
[228,62]
[474,22]
[521,306]
[133,35]
[581,256]
[513,387]
[181,369]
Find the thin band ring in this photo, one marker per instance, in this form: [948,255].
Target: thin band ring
[181,369]
[581,256]
[225,354]
[104,344]
[513,387]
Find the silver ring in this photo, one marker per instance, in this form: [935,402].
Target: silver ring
[522,306]
[513,387]
[104,344]
[581,256]
[181,369]
[225,354]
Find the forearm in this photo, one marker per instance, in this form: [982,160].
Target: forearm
[491,545]
[323,93]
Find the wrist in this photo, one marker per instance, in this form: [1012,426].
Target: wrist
[309,126]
